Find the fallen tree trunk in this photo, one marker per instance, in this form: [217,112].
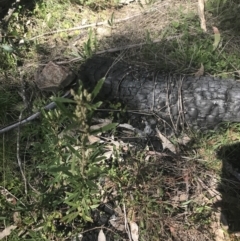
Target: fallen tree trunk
[200,102]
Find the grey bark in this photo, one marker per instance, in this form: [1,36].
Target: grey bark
[200,102]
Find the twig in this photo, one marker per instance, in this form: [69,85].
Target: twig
[186,179]
[112,50]
[126,223]
[153,99]
[82,27]
[168,102]
[5,192]
[117,49]
[180,104]
[18,156]
[29,184]
[50,106]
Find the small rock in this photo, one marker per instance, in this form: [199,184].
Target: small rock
[54,77]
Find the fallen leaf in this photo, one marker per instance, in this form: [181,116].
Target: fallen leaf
[133,129]
[117,224]
[180,197]
[131,214]
[134,231]
[92,139]
[201,15]
[108,154]
[17,217]
[101,236]
[98,126]
[118,221]
[172,230]
[7,231]
[165,142]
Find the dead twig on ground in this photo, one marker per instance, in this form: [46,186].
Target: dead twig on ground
[82,27]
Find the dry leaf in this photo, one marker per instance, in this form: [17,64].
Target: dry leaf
[98,126]
[201,15]
[119,211]
[131,214]
[101,236]
[130,127]
[172,230]
[17,217]
[165,142]
[108,154]
[92,139]
[154,153]
[7,231]
[200,72]
[134,231]
[180,197]
[118,223]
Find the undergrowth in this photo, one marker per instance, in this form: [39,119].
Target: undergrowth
[52,171]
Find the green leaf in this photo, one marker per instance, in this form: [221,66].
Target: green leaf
[7,48]
[94,206]
[93,169]
[94,106]
[91,184]
[110,22]
[217,38]
[175,24]
[98,87]
[71,196]
[63,100]
[87,218]
[64,170]
[68,218]
[72,204]
[110,126]
[75,152]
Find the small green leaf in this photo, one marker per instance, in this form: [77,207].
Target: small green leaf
[97,88]
[64,170]
[105,128]
[68,218]
[63,100]
[74,151]
[110,22]
[175,24]
[94,206]
[7,48]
